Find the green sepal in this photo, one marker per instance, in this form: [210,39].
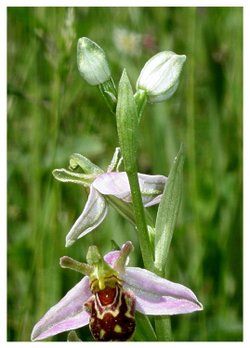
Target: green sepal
[109,93]
[167,211]
[65,175]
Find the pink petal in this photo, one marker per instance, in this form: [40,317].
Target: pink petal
[158,296]
[163,305]
[67,314]
[117,184]
[111,257]
[113,183]
[92,216]
[151,187]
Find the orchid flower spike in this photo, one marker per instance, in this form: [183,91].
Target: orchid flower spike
[108,296]
[106,187]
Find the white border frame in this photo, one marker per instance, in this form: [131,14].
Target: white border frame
[3,138]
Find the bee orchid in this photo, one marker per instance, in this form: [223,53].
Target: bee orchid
[108,296]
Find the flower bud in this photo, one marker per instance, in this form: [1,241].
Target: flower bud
[92,63]
[160,76]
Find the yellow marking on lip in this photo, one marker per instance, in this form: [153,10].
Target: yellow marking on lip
[102,333]
[117,329]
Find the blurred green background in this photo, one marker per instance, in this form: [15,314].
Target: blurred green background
[53,113]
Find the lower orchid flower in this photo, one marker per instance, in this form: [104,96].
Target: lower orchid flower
[106,187]
[108,296]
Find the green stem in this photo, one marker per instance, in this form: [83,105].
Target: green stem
[127,127]
[141,101]
[140,220]
[163,328]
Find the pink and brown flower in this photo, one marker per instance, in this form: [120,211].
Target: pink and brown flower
[108,296]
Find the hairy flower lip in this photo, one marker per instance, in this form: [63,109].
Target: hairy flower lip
[154,296]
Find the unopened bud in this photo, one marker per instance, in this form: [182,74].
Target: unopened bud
[160,76]
[92,63]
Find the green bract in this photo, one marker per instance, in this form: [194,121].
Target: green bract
[127,117]
[167,212]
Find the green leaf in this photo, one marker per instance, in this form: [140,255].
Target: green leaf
[167,211]
[127,122]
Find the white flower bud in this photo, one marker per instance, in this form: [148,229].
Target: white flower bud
[92,63]
[160,76]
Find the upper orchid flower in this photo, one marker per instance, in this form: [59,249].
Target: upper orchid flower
[110,186]
[108,296]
